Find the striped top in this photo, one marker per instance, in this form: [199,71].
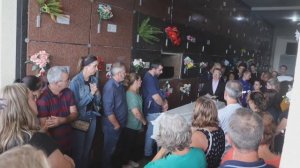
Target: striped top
[58,105]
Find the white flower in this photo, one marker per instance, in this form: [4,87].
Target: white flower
[185,89]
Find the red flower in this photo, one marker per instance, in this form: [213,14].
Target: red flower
[173,34]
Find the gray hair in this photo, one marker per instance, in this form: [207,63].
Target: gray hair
[234,89]
[274,83]
[174,132]
[54,73]
[116,68]
[246,129]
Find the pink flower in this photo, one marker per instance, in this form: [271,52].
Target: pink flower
[41,59]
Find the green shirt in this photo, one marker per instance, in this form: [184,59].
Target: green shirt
[133,101]
[195,158]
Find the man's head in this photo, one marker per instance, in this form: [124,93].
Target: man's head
[118,71]
[245,130]
[156,68]
[233,90]
[253,68]
[217,74]
[246,75]
[58,77]
[242,67]
[283,69]
[214,66]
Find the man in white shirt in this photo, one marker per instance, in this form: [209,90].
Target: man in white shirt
[233,90]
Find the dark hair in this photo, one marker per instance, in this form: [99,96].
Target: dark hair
[155,64]
[284,66]
[32,82]
[86,60]
[253,65]
[130,78]
[259,100]
[270,95]
[243,64]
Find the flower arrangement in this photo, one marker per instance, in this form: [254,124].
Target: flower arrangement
[138,64]
[52,7]
[173,34]
[191,39]
[185,90]
[188,64]
[148,32]
[202,65]
[167,89]
[105,13]
[40,62]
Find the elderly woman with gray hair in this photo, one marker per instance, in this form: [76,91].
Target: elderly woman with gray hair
[174,138]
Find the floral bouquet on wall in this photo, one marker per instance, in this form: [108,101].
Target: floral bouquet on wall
[40,62]
[173,34]
[167,89]
[201,66]
[138,64]
[185,90]
[191,38]
[188,64]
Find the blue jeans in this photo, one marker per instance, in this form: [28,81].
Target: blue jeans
[148,140]
[83,141]
[82,145]
[111,138]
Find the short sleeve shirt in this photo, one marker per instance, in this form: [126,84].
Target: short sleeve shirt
[133,101]
[150,87]
[58,105]
[195,158]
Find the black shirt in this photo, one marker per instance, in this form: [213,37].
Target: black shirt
[43,142]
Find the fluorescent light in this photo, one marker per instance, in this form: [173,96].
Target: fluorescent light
[239,18]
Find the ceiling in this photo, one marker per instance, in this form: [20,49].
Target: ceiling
[278,13]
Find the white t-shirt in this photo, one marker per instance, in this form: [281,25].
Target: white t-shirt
[224,115]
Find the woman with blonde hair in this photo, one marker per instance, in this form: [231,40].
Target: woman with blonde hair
[207,134]
[24,157]
[19,126]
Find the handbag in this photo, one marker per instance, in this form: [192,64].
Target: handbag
[81,125]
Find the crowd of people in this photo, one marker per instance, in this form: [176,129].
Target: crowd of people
[56,122]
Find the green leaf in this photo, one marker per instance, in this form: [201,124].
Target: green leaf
[28,62]
[147,32]
[35,67]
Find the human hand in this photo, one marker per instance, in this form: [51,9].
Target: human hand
[117,127]
[165,107]
[54,121]
[94,88]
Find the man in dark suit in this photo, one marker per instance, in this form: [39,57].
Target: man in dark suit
[215,87]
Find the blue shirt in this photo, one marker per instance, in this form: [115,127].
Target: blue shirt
[150,87]
[246,89]
[114,102]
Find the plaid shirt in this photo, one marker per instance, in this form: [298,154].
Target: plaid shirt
[58,105]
